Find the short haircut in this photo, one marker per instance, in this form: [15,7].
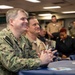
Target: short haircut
[63,30]
[31,17]
[42,27]
[53,16]
[12,13]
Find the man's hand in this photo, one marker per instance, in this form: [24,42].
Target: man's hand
[51,53]
[47,56]
[64,56]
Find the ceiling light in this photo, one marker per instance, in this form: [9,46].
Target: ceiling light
[34,1]
[67,12]
[46,14]
[52,7]
[5,7]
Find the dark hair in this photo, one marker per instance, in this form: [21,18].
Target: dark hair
[53,16]
[63,30]
[31,17]
[32,14]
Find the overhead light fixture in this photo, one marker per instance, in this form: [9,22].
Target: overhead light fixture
[68,12]
[46,14]
[5,7]
[34,1]
[52,7]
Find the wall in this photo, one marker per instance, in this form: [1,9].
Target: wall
[68,21]
[2,26]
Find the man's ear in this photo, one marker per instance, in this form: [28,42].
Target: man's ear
[11,21]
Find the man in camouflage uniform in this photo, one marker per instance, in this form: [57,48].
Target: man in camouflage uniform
[32,33]
[15,50]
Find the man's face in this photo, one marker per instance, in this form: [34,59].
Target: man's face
[63,35]
[33,26]
[42,32]
[74,24]
[20,22]
[54,19]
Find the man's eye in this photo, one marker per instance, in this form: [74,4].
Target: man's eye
[35,24]
[23,18]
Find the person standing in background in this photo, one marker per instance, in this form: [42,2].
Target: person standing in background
[72,29]
[53,28]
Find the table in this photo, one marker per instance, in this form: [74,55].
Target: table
[55,68]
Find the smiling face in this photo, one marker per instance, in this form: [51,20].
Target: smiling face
[20,22]
[17,20]
[33,26]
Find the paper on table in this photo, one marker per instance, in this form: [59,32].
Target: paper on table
[73,62]
[60,69]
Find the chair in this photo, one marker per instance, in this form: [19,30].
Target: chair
[72,57]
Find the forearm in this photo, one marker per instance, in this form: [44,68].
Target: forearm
[13,60]
[14,63]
